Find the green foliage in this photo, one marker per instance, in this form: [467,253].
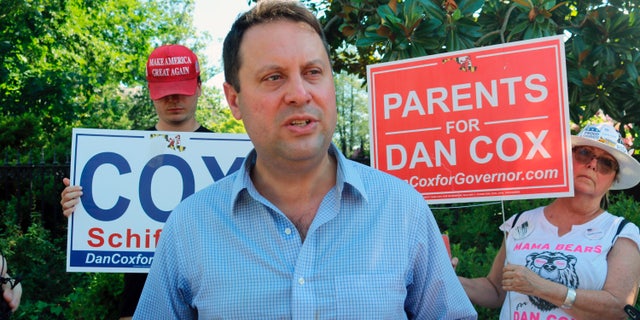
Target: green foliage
[37,259]
[621,204]
[225,123]
[48,291]
[602,63]
[214,113]
[66,64]
[17,130]
[98,299]
[352,130]
[476,263]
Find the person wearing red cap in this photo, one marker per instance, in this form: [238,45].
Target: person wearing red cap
[173,77]
[571,259]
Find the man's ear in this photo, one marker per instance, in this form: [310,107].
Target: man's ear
[232,100]
[199,90]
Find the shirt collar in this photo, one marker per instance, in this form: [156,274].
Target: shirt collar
[347,179]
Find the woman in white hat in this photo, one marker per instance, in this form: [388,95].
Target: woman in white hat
[571,259]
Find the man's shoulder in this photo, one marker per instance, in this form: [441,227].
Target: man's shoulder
[202,129]
[370,173]
[217,192]
[378,182]
[206,204]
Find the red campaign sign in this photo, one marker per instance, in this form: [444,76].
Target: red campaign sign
[476,125]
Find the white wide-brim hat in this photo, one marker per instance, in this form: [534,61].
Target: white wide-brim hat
[607,138]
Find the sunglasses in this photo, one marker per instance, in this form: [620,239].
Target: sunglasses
[604,164]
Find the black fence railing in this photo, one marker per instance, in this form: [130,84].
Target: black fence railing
[31,187]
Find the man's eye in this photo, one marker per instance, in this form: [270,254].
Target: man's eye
[274,77]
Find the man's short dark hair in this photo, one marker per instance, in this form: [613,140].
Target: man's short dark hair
[263,12]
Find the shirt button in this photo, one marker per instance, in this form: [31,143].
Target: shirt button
[301,281]
[287,231]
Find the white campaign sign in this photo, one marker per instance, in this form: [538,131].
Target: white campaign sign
[131,182]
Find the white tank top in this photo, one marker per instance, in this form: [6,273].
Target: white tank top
[578,259]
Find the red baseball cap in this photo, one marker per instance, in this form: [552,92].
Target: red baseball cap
[172,69]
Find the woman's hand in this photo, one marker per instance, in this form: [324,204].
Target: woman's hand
[520,279]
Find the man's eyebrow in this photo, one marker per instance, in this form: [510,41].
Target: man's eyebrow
[268,68]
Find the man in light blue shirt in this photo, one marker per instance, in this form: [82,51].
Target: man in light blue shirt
[300,232]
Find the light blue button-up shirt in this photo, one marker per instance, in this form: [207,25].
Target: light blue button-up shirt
[373,251]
